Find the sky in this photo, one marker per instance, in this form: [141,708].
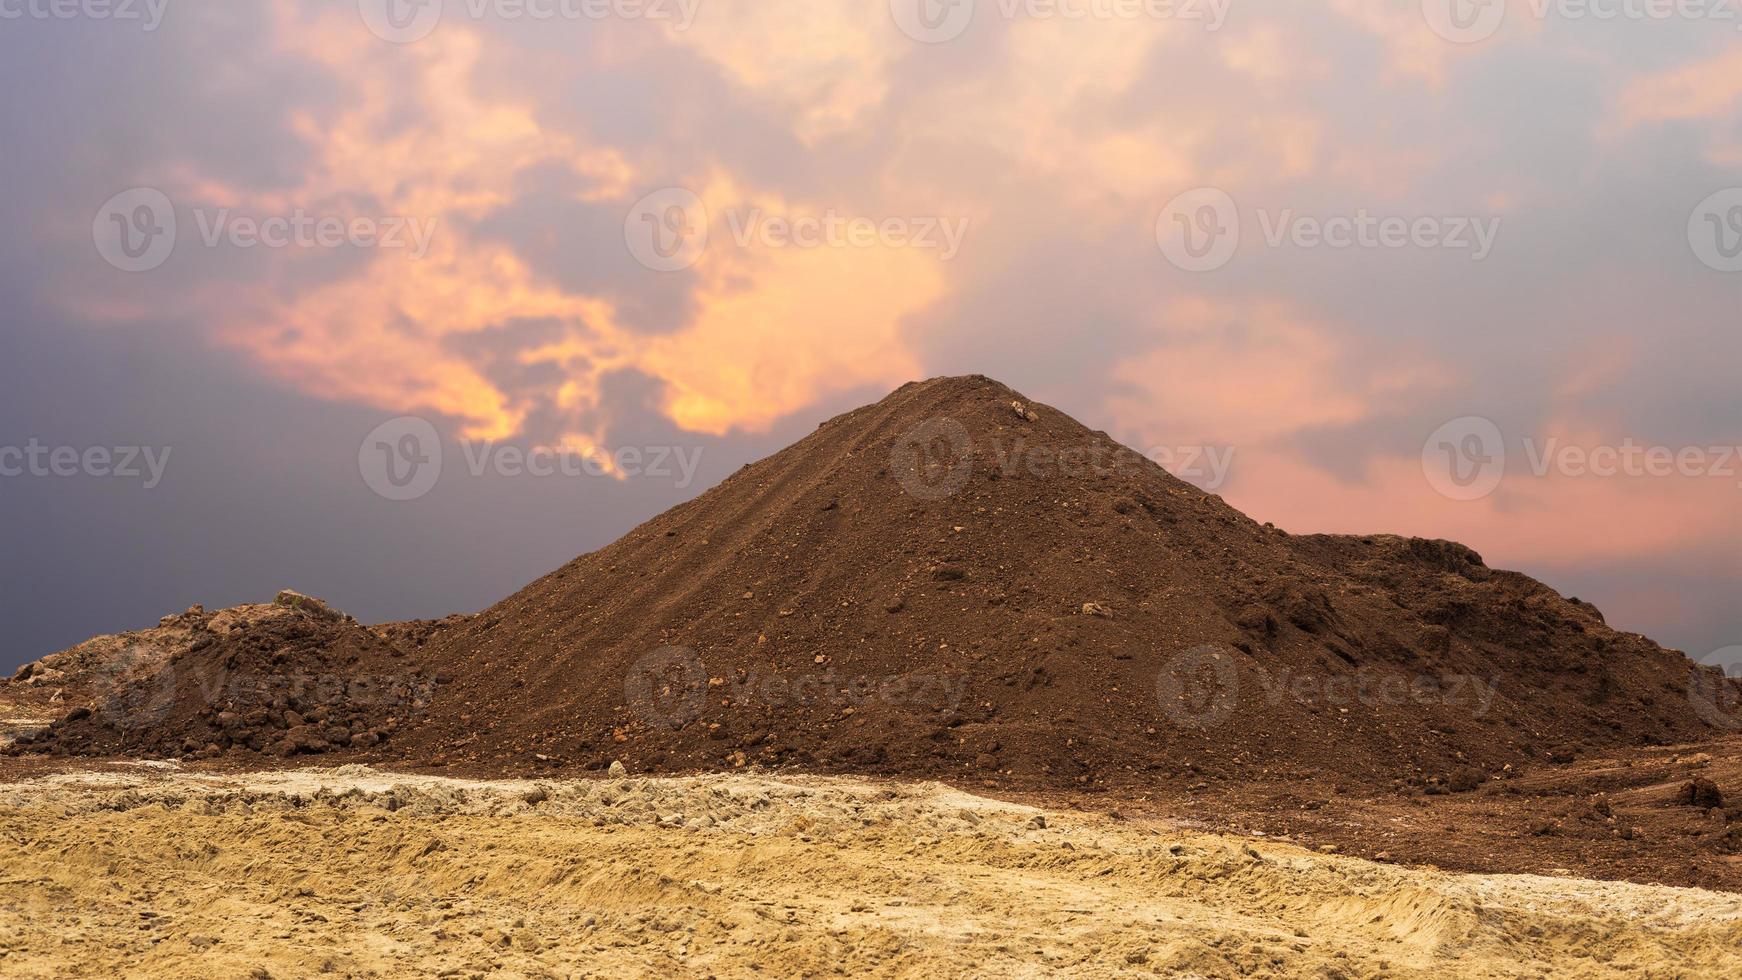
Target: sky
[403,304]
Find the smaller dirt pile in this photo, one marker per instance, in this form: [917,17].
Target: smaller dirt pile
[293,676]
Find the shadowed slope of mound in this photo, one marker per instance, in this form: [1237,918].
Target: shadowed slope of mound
[945,583]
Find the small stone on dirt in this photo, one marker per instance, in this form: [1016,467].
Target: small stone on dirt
[1465,778]
[1700,792]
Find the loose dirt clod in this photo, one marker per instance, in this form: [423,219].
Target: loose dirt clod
[1700,792]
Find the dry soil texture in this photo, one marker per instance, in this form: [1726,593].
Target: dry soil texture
[150,871]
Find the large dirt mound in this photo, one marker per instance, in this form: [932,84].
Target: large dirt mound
[288,677]
[954,581]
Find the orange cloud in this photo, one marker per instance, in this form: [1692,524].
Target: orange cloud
[1254,375]
[779,327]
[1530,521]
[1707,89]
[1412,49]
[823,63]
[1238,374]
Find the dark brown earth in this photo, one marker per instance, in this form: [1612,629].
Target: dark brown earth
[955,583]
[1621,813]
[287,678]
[946,584]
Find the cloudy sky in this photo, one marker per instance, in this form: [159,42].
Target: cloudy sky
[1461,269]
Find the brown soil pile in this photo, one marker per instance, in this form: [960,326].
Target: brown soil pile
[289,677]
[952,582]
[955,582]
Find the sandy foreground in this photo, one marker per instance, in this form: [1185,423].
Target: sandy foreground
[355,871]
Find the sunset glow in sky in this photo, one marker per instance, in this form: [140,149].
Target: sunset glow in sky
[1526,224]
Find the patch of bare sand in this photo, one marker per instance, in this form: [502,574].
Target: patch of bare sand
[361,872]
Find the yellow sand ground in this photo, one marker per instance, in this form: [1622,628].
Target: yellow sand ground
[355,872]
